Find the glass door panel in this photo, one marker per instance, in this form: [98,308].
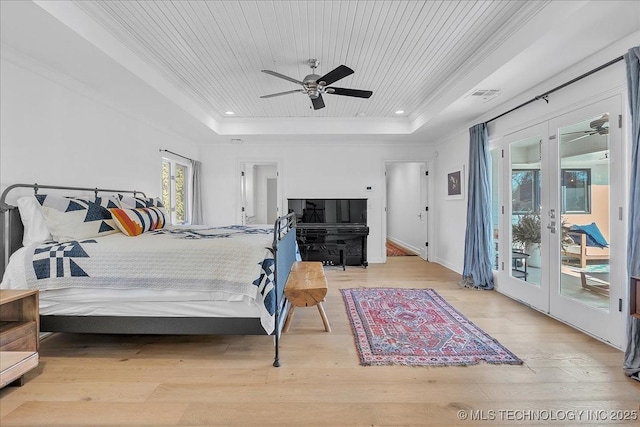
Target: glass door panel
[586,241]
[585,206]
[525,210]
[522,261]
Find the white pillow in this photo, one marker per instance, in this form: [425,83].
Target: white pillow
[74,218]
[35,226]
[71,225]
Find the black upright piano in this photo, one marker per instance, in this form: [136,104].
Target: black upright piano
[333,231]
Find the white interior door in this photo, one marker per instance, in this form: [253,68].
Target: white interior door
[272,200]
[424,211]
[244,194]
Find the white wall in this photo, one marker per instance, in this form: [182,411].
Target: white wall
[403,205]
[335,170]
[54,134]
[450,215]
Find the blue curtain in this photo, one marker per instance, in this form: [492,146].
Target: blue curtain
[477,271]
[632,353]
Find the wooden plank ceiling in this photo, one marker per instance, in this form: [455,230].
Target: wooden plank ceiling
[406,52]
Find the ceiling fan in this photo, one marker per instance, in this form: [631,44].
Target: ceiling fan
[314,86]
[598,126]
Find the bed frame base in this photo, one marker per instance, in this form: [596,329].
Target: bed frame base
[152,325]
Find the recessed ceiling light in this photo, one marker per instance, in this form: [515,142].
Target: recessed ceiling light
[229,113]
[400,112]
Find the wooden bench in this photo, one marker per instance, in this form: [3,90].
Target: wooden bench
[306,287]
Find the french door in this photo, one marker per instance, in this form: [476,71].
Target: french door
[563,251]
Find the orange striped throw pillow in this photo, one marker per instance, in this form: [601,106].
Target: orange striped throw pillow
[134,222]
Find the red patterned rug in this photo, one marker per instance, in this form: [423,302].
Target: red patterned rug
[417,327]
[394,250]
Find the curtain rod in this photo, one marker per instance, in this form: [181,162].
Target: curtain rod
[176,154]
[546,94]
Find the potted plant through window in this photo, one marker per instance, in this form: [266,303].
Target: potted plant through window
[526,233]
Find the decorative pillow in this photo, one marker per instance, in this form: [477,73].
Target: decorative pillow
[594,236]
[130,202]
[106,202]
[35,226]
[134,222]
[74,219]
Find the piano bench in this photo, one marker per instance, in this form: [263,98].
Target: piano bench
[306,287]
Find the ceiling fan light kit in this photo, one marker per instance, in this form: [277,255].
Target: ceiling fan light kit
[314,85]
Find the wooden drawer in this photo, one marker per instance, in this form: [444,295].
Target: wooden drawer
[18,336]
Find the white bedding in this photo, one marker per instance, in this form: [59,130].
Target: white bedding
[192,266]
[141,302]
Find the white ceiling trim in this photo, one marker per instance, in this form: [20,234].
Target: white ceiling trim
[316,126]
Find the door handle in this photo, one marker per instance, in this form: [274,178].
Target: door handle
[552,227]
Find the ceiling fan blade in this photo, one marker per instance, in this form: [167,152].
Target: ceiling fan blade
[318,102]
[349,92]
[282,76]
[282,93]
[336,74]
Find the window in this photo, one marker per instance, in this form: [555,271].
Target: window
[576,190]
[175,188]
[525,191]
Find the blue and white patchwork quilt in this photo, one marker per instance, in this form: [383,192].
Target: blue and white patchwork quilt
[232,262]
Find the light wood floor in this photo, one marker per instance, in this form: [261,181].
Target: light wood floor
[173,380]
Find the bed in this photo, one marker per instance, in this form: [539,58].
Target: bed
[122,270]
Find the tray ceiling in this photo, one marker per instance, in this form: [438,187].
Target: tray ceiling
[425,58]
[406,52]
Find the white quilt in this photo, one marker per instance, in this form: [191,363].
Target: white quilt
[232,261]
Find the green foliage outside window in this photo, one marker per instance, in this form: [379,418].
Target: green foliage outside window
[175,187]
[181,196]
[166,184]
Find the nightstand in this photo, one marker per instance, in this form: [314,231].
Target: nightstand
[19,330]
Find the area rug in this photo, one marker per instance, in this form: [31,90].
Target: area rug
[417,327]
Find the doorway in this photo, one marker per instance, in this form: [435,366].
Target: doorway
[563,251]
[406,209]
[260,192]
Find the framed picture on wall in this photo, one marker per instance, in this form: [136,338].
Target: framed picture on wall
[455,181]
